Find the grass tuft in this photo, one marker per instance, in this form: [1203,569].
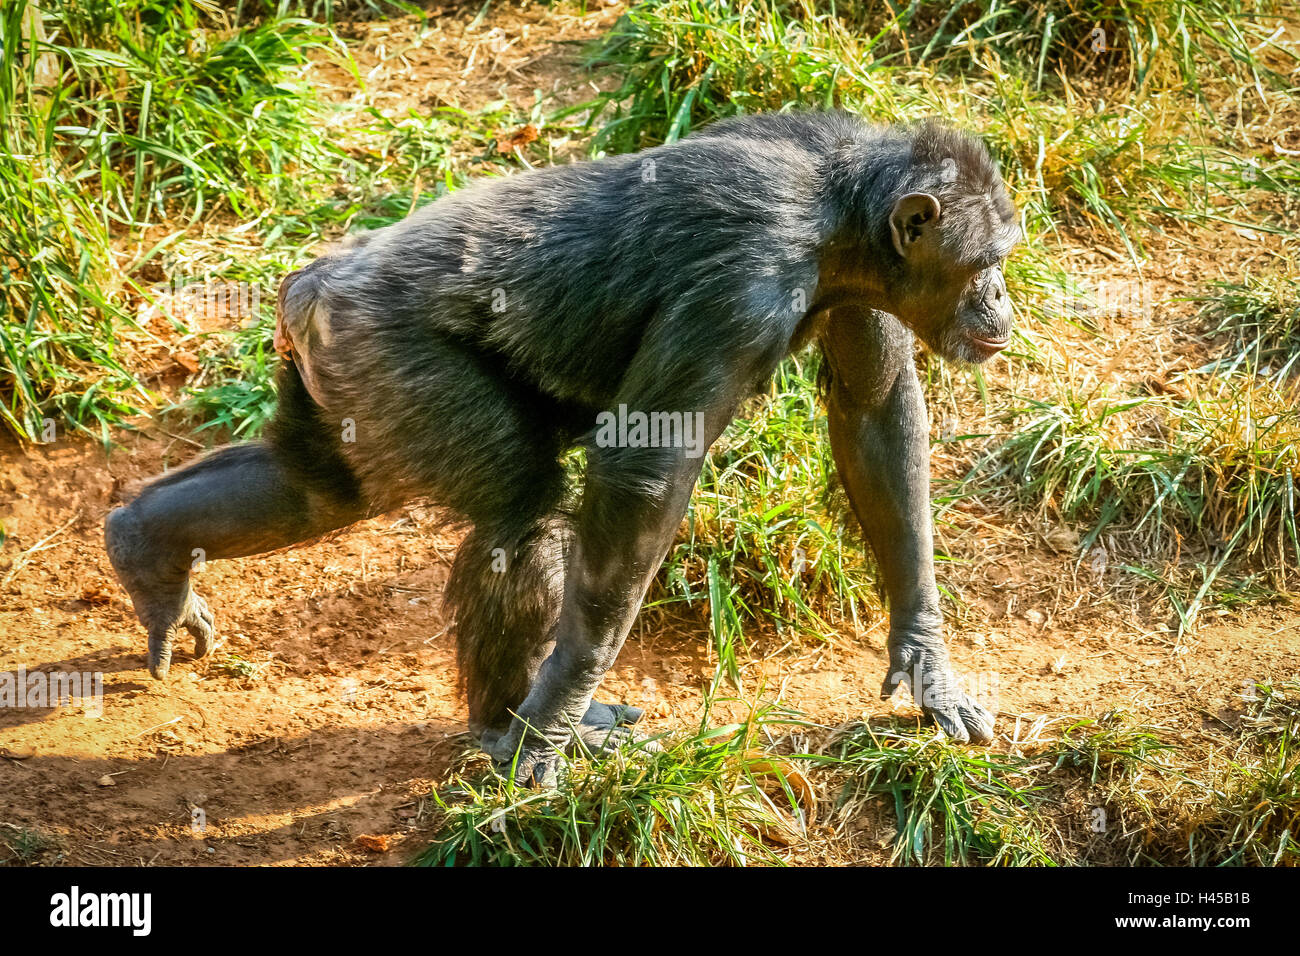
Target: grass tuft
[952,805]
[714,798]
[120,118]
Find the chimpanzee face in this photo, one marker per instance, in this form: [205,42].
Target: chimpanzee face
[949,287]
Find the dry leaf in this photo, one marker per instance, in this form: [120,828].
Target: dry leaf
[96,596]
[764,766]
[186,360]
[372,843]
[1062,540]
[519,138]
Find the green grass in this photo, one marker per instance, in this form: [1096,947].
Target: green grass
[1106,791]
[232,665]
[27,847]
[951,805]
[713,798]
[1239,805]
[1137,41]
[124,117]
[1209,479]
[1257,821]
[761,547]
[1258,319]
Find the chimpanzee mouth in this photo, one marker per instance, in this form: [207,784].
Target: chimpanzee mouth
[986,348]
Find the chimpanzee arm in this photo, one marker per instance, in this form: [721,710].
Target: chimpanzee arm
[633,500]
[880,438]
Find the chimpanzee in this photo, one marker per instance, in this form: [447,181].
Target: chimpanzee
[462,353]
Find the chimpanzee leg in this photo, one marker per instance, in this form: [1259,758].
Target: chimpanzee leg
[880,437]
[505,595]
[239,500]
[621,536]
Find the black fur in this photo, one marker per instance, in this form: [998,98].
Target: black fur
[466,349]
[306,445]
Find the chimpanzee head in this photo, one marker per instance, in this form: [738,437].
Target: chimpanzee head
[951,224]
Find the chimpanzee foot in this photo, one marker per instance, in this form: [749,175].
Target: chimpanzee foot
[611,715]
[603,729]
[201,625]
[161,596]
[926,672]
[598,741]
[194,617]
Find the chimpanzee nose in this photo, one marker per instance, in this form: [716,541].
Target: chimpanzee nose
[988,323]
[999,303]
[998,287]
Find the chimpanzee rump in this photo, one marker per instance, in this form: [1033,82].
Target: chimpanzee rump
[461,353]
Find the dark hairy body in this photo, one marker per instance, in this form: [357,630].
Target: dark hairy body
[461,353]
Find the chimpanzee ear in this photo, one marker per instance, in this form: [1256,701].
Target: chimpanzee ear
[911,220]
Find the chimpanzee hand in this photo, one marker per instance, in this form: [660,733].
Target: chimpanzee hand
[603,729]
[922,664]
[535,764]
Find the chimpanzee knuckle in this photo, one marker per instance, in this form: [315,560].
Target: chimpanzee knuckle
[954,729]
[980,728]
[530,768]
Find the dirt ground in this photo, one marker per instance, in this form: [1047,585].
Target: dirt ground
[316,730]
[322,745]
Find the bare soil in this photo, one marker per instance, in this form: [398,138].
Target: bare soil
[317,728]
